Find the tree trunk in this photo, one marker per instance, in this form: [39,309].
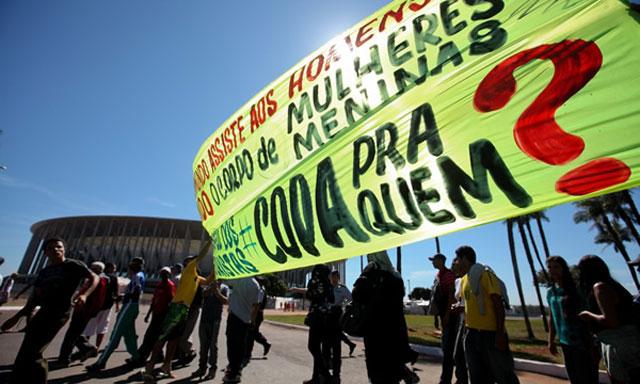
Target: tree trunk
[437,245]
[535,251]
[399,260]
[629,200]
[543,237]
[536,285]
[627,220]
[620,245]
[516,275]
[361,264]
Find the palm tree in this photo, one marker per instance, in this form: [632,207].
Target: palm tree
[626,197]
[437,245]
[540,216]
[399,260]
[607,239]
[615,204]
[593,210]
[521,224]
[516,274]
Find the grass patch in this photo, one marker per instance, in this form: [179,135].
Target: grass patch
[422,331]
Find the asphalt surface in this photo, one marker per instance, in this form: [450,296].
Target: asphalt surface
[287,362]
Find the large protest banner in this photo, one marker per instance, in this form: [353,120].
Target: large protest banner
[427,117]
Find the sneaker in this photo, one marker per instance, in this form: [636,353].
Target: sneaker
[84,355]
[199,372]
[267,348]
[231,378]
[211,375]
[60,363]
[95,367]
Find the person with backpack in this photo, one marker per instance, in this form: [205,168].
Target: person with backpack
[380,291]
[574,338]
[254,333]
[486,343]
[320,292]
[81,317]
[126,321]
[611,315]
[54,291]
[99,325]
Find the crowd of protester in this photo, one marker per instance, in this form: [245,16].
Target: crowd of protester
[594,320]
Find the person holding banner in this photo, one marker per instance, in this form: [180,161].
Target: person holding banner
[176,317]
[611,314]
[486,344]
[320,292]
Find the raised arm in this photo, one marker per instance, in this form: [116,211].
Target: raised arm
[89,284]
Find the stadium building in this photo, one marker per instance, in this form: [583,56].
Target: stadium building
[117,239]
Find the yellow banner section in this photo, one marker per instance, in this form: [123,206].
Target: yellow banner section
[427,117]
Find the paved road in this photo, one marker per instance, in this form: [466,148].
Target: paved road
[288,362]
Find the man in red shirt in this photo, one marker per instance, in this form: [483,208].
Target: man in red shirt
[162,296]
[443,297]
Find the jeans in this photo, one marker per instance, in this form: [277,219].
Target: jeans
[208,333]
[580,364]
[237,331]
[125,327]
[486,363]
[29,366]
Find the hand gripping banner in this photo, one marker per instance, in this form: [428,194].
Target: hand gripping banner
[425,118]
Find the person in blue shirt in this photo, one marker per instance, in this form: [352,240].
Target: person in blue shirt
[126,320]
[575,341]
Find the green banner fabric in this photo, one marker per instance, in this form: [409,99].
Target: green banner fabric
[427,117]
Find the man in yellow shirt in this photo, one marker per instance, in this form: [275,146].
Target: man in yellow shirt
[176,318]
[486,345]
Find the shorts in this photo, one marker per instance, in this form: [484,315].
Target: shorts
[175,321]
[99,325]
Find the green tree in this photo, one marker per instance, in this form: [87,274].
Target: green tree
[594,211]
[420,293]
[274,286]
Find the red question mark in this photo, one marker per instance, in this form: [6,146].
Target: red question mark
[536,132]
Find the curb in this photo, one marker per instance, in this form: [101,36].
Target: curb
[435,354]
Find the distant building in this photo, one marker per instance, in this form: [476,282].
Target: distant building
[117,239]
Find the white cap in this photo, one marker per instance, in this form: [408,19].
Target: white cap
[166,269]
[98,264]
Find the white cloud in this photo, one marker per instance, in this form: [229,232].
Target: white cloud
[166,204]
[422,274]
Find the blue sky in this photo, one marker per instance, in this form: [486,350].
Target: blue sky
[103,106]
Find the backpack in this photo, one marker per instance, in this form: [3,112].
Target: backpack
[354,319]
[502,285]
[96,298]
